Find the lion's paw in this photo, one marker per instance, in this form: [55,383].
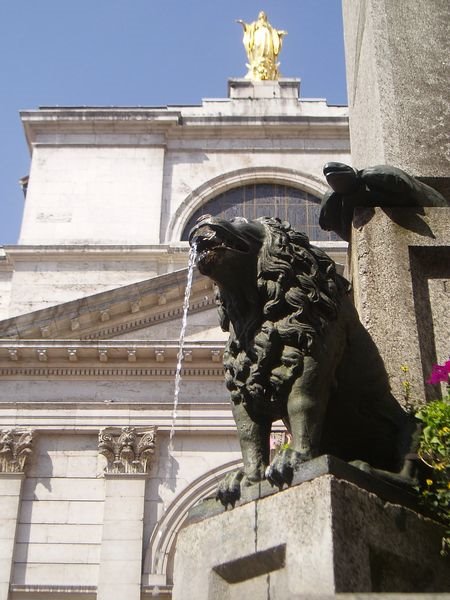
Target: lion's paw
[281,470]
[229,490]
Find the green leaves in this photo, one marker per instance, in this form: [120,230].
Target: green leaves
[434,451]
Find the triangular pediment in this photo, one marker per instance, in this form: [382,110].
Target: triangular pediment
[120,313]
[132,330]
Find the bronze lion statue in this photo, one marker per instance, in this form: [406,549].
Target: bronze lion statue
[296,352]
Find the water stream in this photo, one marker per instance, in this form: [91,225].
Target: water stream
[180,355]
[159,555]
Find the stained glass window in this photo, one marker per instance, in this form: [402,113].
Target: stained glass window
[267,200]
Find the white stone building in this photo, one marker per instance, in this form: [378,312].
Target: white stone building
[91,499]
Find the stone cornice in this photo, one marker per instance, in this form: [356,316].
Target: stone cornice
[5,260]
[70,590]
[293,125]
[113,312]
[108,359]
[97,120]
[151,126]
[76,252]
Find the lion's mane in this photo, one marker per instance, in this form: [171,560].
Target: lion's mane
[299,292]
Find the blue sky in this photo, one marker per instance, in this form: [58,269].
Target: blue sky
[144,52]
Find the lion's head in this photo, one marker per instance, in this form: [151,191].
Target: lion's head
[275,292]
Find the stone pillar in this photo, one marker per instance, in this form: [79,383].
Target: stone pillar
[397,60]
[400,273]
[128,452]
[15,449]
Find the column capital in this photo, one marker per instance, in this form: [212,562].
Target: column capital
[15,449]
[128,450]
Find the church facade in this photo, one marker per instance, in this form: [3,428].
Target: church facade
[98,469]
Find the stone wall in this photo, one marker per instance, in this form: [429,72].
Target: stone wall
[94,514]
[400,271]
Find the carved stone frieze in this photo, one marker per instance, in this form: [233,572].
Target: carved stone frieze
[161,371]
[15,449]
[126,449]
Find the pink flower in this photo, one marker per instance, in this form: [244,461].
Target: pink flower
[439,373]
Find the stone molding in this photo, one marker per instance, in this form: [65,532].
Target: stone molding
[126,449]
[157,317]
[88,590]
[103,126]
[15,449]
[86,372]
[98,120]
[119,358]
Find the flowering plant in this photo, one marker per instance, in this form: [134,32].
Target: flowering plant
[434,451]
[440,374]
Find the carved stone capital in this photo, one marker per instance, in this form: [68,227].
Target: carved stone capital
[15,448]
[126,449]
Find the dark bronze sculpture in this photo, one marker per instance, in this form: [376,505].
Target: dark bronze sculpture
[381,185]
[297,352]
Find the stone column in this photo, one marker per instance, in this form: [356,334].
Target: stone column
[400,272]
[128,453]
[397,61]
[15,449]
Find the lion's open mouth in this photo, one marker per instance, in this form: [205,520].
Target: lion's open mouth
[211,240]
[207,238]
[223,246]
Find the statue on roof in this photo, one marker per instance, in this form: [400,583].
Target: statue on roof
[263,44]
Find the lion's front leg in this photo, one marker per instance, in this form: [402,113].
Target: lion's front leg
[254,440]
[306,407]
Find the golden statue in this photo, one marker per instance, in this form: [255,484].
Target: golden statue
[263,44]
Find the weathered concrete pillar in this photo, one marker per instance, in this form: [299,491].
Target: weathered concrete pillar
[397,60]
[128,452]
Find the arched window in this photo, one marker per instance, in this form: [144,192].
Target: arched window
[267,200]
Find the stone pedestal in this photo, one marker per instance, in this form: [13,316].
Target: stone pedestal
[244,89]
[10,492]
[397,60]
[400,272]
[320,537]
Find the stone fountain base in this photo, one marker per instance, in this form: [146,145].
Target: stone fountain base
[336,530]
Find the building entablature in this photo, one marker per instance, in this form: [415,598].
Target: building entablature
[117,133]
[244,112]
[116,352]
